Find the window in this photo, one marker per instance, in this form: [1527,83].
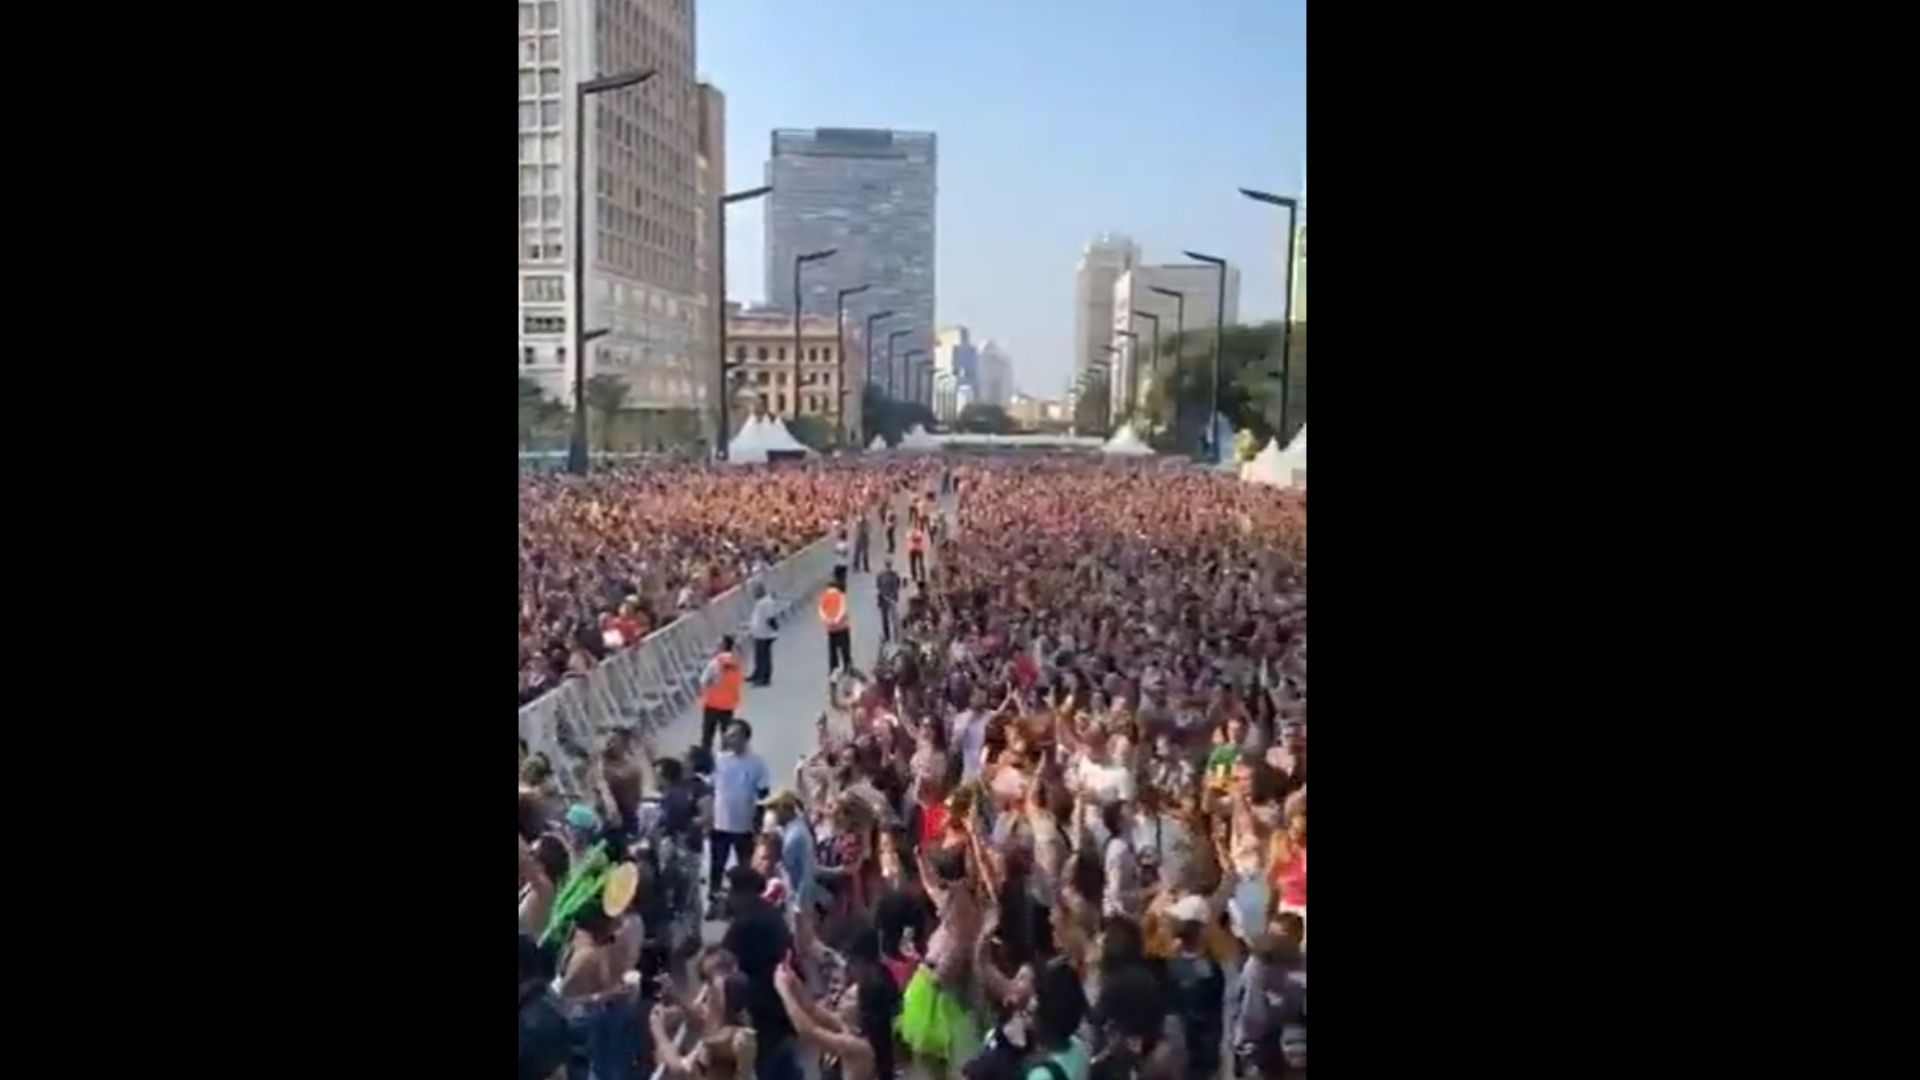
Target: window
[530,245]
[544,324]
[529,52]
[546,288]
[549,81]
[529,116]
[529,210]
[526,17]
[813,354]
[739,353]
[549,114]
[762,351]
[529,148]
[550,149]
[560,355]
[549,16]
[529,179]
[762,378]
[763,403]
[780,353]
[780,402]
[826,353]
[550,178]
[549,49]
[550,207]
[529,84]
[527,356]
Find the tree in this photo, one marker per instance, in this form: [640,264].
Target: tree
[814,432]
[1176,400]
[605,395]
[539,414]
[890,417]
[983,418]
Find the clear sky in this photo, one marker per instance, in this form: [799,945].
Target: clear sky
[1057,120]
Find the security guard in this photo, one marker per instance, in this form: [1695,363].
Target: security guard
[833,616]
[720,692]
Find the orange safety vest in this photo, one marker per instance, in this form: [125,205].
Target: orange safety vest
[916,540]
[724,693]
[833,609]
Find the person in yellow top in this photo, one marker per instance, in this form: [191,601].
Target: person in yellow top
[719,692]
[834,616]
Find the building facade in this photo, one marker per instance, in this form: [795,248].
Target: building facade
[956,371]
[711,180]
[760,351]
[1101,263]
[870,195]
[642,170]
[1134,363]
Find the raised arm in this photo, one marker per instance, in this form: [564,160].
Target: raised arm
[817,1027]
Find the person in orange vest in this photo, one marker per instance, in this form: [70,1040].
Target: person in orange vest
[719,692]
[917,554]
[833,615]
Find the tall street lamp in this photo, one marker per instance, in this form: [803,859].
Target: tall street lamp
[1219,337]
[871,319]
[1179,315]
[840,359]
[1133,389]
[1286,309]
[720,317]
[798,262]
[577,445]
[891,338]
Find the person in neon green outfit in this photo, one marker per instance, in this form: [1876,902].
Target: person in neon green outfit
[935,1022]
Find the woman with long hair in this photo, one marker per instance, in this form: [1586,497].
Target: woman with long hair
[935,1022]
[854,1035]
[725,1050]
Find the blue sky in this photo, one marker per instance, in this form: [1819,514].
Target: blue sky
[1057,119]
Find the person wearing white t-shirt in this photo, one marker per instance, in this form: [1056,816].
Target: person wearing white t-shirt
[968,735]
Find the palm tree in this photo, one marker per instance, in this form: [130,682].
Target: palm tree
[605,395]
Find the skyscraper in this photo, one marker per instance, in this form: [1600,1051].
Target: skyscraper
[870,195]
[643,228]
[1101,263]
[1133,291]
[996,375]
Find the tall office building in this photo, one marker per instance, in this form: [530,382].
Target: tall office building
[996,375]
[1101,264]
[956,371]
[644,230]
[1135,363]
[870,195]
[710,184]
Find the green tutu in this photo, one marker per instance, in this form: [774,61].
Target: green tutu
[935,1023]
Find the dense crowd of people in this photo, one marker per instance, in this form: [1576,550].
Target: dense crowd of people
[1057,832]
[607,559]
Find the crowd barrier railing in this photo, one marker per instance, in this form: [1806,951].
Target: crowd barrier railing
[646,685]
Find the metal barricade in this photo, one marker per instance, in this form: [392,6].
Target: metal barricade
[644,687]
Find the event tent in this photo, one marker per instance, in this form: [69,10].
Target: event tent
[776,439]
[878,444]
[1127,442]
[749,443]
[918,440]
[1275,467]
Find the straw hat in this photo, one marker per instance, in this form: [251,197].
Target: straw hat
[616,894]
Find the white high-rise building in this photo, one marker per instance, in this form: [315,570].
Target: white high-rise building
[645,231]
[1101,263]
[1198,285]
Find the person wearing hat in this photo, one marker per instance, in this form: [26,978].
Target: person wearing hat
[835,616]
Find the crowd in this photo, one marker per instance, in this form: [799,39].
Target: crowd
[1057,832]
[607,559]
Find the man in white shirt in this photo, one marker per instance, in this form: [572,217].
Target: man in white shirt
[762,626]
[740,781]
[967,733]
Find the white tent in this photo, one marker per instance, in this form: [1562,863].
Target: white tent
[775,438]
[918,440]
[1127,442]
[878,445]
[749,443]
[1275,467]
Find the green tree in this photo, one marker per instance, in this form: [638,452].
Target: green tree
[983,418]
[606,394]
[539,414]
[814,432]
[890,417]
[1175,403]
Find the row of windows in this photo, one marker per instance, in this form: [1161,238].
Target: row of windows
[544,16]
[542,245]
[529,357]
[538,178]
[541,114]
[544,289]
[533,209]
[779,378]
[541,50]
[810,404]
[531,323]
[540,148]
[780,353]
[542,83]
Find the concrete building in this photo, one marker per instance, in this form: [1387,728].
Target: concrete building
[644,228]
[1101,263]
[1133,291]
[711,175]
[995,386]
[1028,411]
[760,342]
[870,195]
[956,371]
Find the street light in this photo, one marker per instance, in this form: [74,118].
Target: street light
[891,338]
[840,357]
[720,316]
[906,373]
[1133,385]
[1286,310]
[1179,314]
[1219,337]
[577,445]
[798,262]
[871,319]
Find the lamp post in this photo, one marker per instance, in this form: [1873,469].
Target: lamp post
[577,445]
[1179,314]
[798,262]
[1133,388]
[1219,338]
[1286,309]
[871,319]
[891,338]
[720,259]
[840,360]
